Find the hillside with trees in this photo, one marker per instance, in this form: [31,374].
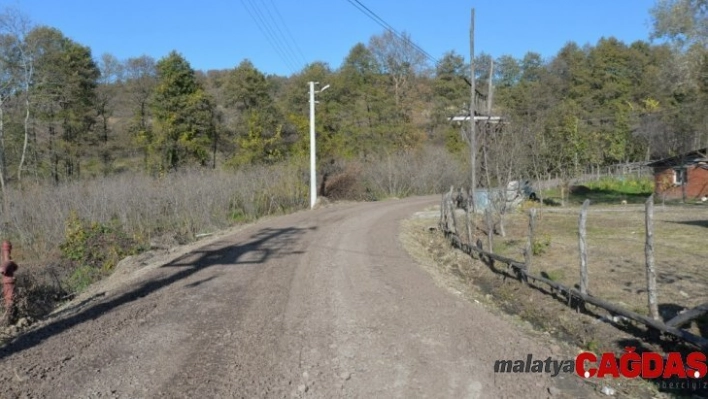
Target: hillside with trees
[74,120]
[69,114]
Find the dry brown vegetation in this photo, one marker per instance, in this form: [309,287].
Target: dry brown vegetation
[67,236]
[55,229]
[184,204]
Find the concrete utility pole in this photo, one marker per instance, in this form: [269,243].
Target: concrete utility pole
[313,174]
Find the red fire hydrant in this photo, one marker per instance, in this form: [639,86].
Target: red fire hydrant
[8,269]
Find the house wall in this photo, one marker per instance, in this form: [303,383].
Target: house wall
[697,186]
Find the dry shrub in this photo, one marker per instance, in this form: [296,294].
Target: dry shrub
[38,290]
[91,250]
[427,171]
[183,204]
[186,203]
[345,183]
[179,204]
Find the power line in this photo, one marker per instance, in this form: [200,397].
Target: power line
[373,16]
[284,48]
[289,34]
[274,27]
[369,13]
[269,33]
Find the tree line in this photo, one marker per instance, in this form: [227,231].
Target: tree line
[66,114]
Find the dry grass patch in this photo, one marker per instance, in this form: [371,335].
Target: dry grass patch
[64,234]
[615,240]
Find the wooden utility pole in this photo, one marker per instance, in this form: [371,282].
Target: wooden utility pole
[473,132]
[490,90]
[488,126]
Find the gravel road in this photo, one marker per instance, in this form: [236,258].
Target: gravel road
[320,304]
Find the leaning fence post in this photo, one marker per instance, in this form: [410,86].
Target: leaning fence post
[582,246]
[649,254]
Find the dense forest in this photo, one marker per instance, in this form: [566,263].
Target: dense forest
[66,113]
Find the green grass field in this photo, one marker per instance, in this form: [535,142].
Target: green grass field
[605,191]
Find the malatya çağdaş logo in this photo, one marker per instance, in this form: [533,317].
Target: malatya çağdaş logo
[630,364]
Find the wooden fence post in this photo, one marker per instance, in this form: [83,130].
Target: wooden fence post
[649,254]
[442,214]
[528,252]
[582,246]
[671,327]
[468,220]
[448,224]
[489,221]
[451,206]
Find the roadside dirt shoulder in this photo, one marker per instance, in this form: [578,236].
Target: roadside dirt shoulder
[538,315]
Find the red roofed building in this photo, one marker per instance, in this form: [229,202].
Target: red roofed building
[683,176]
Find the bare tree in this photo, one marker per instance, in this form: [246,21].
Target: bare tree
[18,26]
[140,79]
[400,58]
[106,93]
[7,83]
[504,159]
[401,61]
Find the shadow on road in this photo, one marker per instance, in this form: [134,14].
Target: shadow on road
[279,243]
[266,244]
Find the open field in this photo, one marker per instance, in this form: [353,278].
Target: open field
[615,240]
[605,191]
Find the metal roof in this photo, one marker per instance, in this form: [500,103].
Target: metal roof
[476,118]
[689,158]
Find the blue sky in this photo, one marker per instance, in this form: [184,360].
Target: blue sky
[218,34]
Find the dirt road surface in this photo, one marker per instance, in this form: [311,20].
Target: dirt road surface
[319,304]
